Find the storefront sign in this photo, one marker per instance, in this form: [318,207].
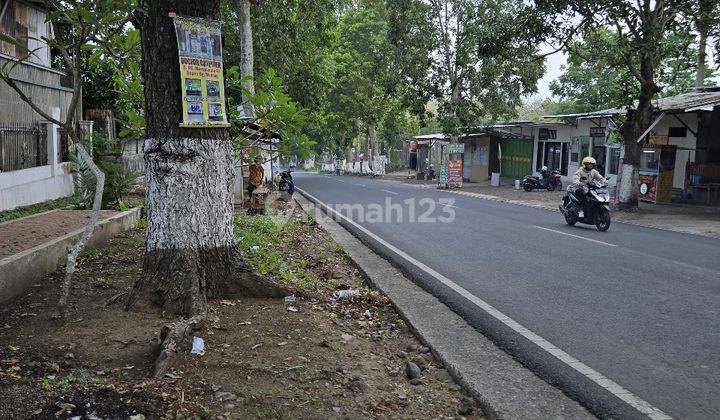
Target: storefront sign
[201,72]
[647,186]
[442,178]
[455,173]
[597,131]
[455,148]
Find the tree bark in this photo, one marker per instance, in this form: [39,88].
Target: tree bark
[638,120]
[190,253]
[372,143]
[702,56]
[247,55]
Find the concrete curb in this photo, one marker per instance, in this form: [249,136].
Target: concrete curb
[504,388]
[19,271]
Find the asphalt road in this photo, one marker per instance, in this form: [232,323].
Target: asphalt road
[640,306]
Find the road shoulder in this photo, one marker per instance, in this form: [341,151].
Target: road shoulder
[501,384]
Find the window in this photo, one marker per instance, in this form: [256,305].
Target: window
[614,161]
[677,132]
[27,26]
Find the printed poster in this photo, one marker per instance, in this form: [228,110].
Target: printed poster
[647,186]
[454,173]
[201,72]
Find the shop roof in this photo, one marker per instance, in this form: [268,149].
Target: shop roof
[704,100]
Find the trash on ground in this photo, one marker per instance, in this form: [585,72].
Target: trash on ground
[289,299]
[292,309]
[198,346]
[345,294]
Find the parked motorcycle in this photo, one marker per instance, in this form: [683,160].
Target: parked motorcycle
[546,181]
[286,182]
[592,208]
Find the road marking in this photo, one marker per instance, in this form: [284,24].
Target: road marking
[636,402]
[339,180]
[359,185]
[448,205]
[390,192]
[575,236]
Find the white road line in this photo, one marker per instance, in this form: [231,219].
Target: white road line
[390,192]
[339,180]
[359,185]
[595,376]
[575,236]
[448,205]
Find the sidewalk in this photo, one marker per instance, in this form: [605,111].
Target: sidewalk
[28,232]
[684,218]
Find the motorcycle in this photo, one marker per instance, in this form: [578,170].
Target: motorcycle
[286,182]
[546,181]
[591,209]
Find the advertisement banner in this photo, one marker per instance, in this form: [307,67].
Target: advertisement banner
[454,173]
[442,179]
[201,72]
[647,186]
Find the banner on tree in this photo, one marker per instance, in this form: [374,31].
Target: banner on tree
[201,72]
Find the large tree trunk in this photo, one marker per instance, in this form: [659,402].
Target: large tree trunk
[190,254]
[638,121]
[702,56]
[246,54]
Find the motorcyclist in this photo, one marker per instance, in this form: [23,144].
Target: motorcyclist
[585,174]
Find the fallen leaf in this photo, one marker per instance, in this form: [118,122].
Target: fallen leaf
[227,302]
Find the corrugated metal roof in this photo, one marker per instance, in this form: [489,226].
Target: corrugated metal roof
[685,102]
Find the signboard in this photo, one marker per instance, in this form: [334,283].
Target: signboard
[201,72]
[454,173]
[647,186]
[547,134]
[454,148]
[442,178]
[597,131]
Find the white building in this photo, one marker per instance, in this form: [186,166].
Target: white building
[32,151]
[684,137]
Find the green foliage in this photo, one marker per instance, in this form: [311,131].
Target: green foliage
[118,182]
[265,245]
[596,75]
[479,54]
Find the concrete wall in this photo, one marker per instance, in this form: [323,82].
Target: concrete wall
[20,271]
[686,145]
[42,183]
[477,150]
[34,185]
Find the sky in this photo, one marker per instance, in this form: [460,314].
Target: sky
[552,72]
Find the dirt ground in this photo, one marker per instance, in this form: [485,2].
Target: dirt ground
[21,234]
[333,358]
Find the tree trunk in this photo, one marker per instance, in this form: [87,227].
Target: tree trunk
[190,253]
[702,56]
[638,120]
[246,54]
[372,143]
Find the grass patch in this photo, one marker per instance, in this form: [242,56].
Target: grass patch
[36,208]
[272,249]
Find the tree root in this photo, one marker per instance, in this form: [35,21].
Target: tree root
[175,338]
